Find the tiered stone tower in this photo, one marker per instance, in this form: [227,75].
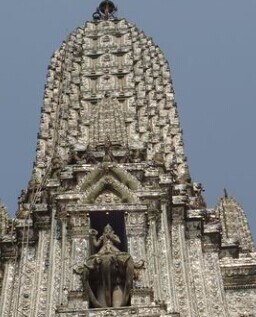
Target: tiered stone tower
[111,223]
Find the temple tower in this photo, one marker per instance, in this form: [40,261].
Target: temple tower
[111,223]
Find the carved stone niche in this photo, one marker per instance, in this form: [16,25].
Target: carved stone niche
[177,213]
[230,251]
[76,300]
[211,240]
[7,247]
[239,277]
[108,273]
[25,231]
[78,224]
[42,217]
[142,296]
[193,228]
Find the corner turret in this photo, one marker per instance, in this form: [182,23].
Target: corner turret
[235,228]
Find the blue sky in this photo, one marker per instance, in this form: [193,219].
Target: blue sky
[211,48]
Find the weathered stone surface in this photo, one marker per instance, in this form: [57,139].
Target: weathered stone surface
[110,150]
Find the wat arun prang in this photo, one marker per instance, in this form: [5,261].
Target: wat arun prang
[111,223]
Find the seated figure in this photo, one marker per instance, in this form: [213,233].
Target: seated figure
[108,274]
[107,241]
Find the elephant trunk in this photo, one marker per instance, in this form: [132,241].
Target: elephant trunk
[89,291]
[128,281]
[106,271]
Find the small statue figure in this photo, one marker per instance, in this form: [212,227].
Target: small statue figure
[57,165]
[108,157]
[82,157]
[127,157]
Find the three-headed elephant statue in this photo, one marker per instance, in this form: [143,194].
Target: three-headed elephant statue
[108,275]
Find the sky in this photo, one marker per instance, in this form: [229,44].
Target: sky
[211,48]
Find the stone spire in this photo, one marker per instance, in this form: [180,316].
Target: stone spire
[109,81]
[235,228]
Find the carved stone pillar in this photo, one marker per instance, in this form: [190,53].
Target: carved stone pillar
[136,230]
[181,277]
[166,259]
[6,308]
[77,251]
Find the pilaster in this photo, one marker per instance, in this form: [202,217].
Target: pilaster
[179,255]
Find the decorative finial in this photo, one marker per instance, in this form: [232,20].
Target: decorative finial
[105,11]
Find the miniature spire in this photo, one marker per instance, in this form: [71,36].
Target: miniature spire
[234,223]
[105,11]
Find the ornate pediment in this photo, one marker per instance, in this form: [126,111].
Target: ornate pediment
[109,183]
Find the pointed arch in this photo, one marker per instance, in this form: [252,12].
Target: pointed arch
[109,183]
[117,173]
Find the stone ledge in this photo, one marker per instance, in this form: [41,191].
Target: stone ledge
[139,311]
[239,274]
[118,207]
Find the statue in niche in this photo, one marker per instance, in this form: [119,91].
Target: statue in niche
[108,274]
[83,156]
[108,157]
[106,243]
[57,165]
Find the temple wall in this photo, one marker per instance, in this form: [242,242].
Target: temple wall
[241,302]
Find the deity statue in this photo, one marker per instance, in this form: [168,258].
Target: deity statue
[107,241]
[108,274]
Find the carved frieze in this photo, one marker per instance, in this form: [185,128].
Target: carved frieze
[238,273]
